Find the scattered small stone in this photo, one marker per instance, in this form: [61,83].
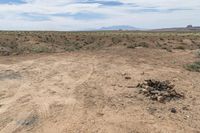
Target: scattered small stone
[124,74]
[142,73]
[151,110]
[186,117]
[113,84]
[120,86]
[161,91]
[130,86]
[173,110]
[185,108]
[127,77]
[100,114]
[175,79]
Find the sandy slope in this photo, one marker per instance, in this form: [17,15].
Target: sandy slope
[86,92]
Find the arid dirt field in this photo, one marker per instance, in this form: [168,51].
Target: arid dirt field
[86,90]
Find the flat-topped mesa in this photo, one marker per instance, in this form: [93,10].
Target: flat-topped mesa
[189,26]
[192,27]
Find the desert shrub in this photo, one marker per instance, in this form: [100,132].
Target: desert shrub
[116,40]
[69,49]
[195,67]
[39,36]
[67,43]
[140,44]
[40,50]
[143,44]
[198,45]
[165,44]
[5,51]
[72,46]
[198,53]
[162,39]
[131,46]
[158,44]
[180,47]
[47,39]
[167,49]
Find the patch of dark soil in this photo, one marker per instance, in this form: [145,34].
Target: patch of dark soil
[161,91]
[28,124]
[29,121]
[9,74]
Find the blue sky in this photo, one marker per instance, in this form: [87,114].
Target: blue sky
[11,1]
[94,14]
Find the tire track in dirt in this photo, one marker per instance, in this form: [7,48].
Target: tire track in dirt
[41,79]
[77,93]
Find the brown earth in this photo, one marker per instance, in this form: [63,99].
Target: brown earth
[88,91]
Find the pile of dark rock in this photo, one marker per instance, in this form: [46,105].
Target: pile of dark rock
[161,91]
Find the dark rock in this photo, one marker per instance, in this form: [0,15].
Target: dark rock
[185,108]
[130,86]
[127,77]
[173,110]
[100,114]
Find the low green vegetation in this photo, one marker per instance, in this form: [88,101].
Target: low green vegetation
[40,49]
[194,67]
[131,46]
[140,44]
[198,53]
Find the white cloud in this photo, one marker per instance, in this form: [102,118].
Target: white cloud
[146,14]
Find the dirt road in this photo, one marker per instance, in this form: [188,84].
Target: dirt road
[88,92]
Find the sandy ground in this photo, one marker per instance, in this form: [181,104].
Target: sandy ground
[86,92]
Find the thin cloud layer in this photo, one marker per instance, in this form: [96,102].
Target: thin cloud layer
[93,14]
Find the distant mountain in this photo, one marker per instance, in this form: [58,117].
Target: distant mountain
[119,27]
